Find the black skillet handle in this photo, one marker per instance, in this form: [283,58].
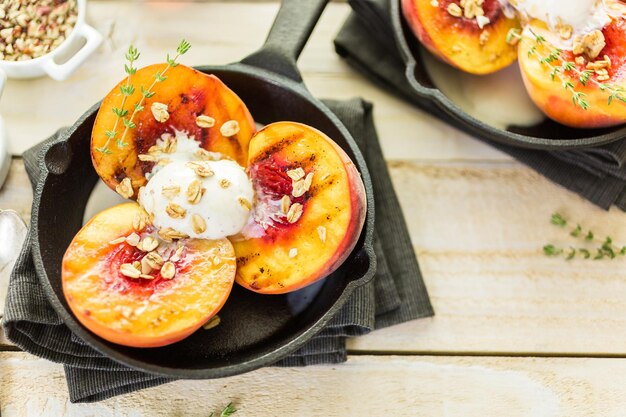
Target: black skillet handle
[289,33]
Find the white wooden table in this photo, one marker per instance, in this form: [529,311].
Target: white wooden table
[515,333]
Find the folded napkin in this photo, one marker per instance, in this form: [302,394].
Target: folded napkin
[396,294]
[367,42]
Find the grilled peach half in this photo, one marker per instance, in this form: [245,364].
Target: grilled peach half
[309,211]
[185,95]
[459,40]
[555,101]
[150,311]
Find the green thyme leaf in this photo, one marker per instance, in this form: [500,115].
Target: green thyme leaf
[552,250]
[104,150]
[129,123]
[183,47]
[558,220]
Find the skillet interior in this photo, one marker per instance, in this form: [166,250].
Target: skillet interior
[256,330]
[545,135]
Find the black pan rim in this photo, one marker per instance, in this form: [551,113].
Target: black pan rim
[477,126]
[264,360]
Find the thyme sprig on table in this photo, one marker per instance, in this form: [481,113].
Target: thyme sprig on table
[614,92]
[604,248]
[227,411]
[128,89]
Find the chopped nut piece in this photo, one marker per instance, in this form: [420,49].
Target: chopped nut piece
[590,44]
[293,252]
[302,186]
[294,213]
[579,60]
[140,221]
[482,21]
[224,183]
[484,37]
[198,223]
[168,270]
[148,244]
[133,239]
[177,255]
[204,121]
[168,234]
[169,144]
[117,241]
[308,180]
[159,111]
[285,203]
[155,150]
[146,267]
[295,174]
[212,322]
[201,168]
[321,232]
[153,259]
[230,128]
[298,188]
[125,188]
[146,276]
[128,270]
[147,158]
[245,203]
[455,10]
[566,31]
[170,191]
[204,155]
[175,211]
[195,192]
[434,3]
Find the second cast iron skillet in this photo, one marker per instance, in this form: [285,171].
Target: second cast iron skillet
[545,135]
[256,330]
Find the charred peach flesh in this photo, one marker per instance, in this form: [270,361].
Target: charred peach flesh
[316,203]
[142,312]
[459,40]
[199,104]
[556,101]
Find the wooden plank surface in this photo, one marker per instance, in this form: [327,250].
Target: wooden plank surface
[364,386]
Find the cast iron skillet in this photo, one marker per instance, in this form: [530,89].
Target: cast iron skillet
[256,330]
[545,135]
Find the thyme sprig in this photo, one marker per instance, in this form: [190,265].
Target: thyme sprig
[227,411]
[557,71]
[604,249]
[128,89]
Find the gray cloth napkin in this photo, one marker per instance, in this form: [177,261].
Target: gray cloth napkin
[396,294]
[367,42]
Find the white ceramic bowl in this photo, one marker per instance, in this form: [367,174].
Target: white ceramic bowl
[46,64]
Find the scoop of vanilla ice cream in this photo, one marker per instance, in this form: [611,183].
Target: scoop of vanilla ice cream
[220,206]
[584,16]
